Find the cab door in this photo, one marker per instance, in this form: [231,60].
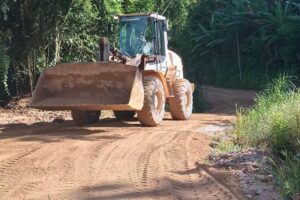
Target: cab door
[160,46]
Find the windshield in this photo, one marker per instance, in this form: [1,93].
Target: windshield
[136,36]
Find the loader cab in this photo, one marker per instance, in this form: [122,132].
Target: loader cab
[143,34]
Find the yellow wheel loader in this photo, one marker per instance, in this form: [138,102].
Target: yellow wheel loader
[138,78]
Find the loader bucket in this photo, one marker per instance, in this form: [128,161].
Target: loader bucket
[89,86]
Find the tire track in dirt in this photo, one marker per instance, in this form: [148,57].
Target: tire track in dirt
[144,170]
[64,164]
[107,166]
[174,159]
[131,161]
[121,162]
[66,181]
[135,163]
[114,160]
[9,172]
[141,171]
[186,183]
[78,166]
[118,159]
[93,155]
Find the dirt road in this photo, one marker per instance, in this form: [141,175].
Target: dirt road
[114,160]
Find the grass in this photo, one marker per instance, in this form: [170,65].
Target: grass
[225,147]
[288,175]
[273,124]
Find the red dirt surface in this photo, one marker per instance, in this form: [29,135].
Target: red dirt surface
[43,155]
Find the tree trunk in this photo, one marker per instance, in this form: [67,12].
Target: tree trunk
[29,63]
[57,45]
[238,54]
[16,72]
[57,36]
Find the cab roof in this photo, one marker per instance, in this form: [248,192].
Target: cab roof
[153,15]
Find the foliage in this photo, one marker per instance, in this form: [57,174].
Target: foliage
[39,34]
[239,43]
[273,123]
[79,32]
[234,43]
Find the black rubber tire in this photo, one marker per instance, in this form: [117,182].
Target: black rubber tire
[153,110]
[82,117]
[181,105]
[124,115]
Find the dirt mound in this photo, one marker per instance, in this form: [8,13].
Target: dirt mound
[16,112]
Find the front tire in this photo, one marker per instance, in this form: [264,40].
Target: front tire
[181,105]
[153,110]
[124,115]
[82,117]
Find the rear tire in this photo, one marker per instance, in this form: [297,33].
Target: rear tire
[154,102]
[124,115]
[181,105]
[82,117]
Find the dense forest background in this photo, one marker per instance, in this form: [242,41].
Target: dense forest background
[231,43]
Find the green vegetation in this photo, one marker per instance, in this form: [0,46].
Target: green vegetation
[288,175]
[231,43]
[38,34]
[242,43]
[273,124]
[226,146]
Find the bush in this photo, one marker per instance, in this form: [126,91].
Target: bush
[4,64]
[274,122]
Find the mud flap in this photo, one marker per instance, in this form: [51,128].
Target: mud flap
[89,86]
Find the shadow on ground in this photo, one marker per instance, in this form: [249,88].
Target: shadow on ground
[176,190]
[55,131]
